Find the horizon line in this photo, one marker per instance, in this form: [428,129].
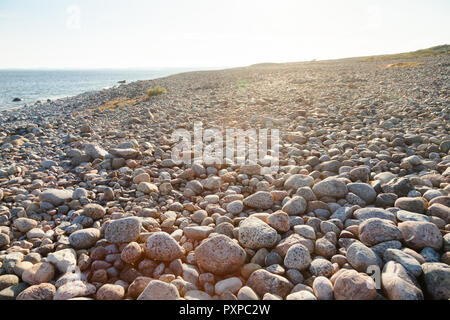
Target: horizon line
[105,68]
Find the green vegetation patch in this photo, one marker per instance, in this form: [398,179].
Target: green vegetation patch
[156,91]
[241,86]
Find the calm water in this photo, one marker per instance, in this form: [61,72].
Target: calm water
[33,85]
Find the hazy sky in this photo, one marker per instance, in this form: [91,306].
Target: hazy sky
[194,33]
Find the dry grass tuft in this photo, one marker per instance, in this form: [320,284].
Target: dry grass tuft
[122,102]
[402,65]
[117,103]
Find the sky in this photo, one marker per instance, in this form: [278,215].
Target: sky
[86,34]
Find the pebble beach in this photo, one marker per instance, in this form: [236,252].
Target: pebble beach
[92,206]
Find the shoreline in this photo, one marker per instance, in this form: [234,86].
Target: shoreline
[54,100]
[116,84]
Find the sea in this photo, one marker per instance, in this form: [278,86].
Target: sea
[34,85]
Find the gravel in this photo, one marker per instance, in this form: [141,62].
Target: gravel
[92,206]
